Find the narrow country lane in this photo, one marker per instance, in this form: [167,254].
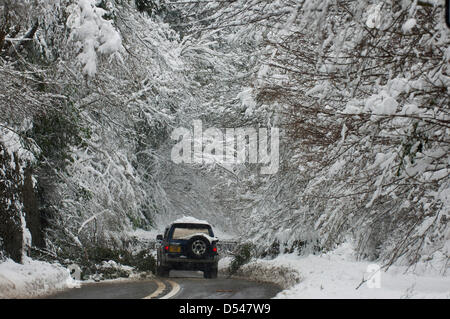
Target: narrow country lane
[180,285]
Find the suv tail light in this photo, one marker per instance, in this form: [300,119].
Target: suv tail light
[214,248]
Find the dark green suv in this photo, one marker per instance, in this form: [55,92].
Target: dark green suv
[188,246]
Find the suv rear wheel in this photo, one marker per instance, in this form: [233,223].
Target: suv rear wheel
[162,271]
[210,272]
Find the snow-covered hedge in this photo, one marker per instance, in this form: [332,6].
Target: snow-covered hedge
[32,278]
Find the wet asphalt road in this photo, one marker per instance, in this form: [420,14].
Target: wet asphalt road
[190,285]
[193,286]
[109,290]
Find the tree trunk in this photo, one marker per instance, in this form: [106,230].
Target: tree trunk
[11,233]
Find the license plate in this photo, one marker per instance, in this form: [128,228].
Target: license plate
[174,249]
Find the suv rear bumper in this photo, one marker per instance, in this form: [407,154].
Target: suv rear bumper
[178,259]
[181,263]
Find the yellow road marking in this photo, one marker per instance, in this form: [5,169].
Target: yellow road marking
[158,291]
[175,289]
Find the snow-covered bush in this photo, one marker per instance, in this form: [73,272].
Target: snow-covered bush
[361,91]
[241,256]
[96,136]
[92,33]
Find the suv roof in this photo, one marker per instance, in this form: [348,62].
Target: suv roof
[190,220]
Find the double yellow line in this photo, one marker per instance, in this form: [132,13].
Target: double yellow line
[161,286]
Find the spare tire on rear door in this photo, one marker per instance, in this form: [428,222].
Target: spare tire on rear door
[198,247]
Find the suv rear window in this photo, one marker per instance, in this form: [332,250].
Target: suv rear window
[180,233]
[184,231]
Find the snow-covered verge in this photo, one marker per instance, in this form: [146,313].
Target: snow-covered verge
[32,278]
[263,271]
[37,278]
[111,271]
[339,275]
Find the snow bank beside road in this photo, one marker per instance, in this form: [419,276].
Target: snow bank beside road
[264,271]
[32,279]
[337,274]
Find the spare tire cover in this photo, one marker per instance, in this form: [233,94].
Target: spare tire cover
[198,247]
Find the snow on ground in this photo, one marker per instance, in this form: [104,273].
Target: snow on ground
[338,274]
[32,279]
